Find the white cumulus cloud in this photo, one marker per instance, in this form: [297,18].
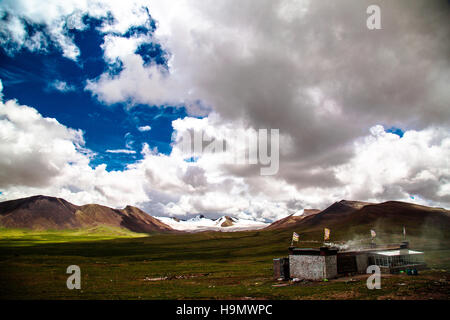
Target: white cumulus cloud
[308,68]
[41,156]
[144,128]
[127,151]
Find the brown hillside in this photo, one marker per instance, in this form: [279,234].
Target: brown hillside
[42,212]
[136,220]
[392,212]
[291,220]
[39,212]
[228,222]
[389,216]
[335,213]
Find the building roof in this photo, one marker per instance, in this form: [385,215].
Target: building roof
[397,252]
[322,251]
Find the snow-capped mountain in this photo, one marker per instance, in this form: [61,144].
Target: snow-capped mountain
[201,223]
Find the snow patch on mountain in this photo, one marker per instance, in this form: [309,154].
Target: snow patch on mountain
[201,223]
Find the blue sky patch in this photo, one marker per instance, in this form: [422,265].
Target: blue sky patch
[396,131]
[152,52]
[191,159]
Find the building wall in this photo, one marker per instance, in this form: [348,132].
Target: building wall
[331,267]
[312,267]
[362,262]
[281,268]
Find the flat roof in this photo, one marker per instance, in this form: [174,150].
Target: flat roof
[397,252]
[322,251]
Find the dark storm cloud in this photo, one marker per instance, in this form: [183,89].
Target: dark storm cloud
[322,77]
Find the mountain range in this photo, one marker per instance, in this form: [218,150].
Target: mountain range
[201,223]
[353,217]
[44,213]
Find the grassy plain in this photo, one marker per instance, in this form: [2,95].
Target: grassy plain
[117,264]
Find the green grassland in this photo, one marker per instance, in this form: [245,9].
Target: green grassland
[17,237]
[117,264]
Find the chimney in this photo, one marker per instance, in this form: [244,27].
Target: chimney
[404,248]
[404,245]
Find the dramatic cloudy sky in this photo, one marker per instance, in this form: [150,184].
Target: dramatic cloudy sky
[97,94]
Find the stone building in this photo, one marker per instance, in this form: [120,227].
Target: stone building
[313,264]
[328,263]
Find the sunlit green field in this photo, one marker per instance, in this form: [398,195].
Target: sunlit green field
[117,264]
[17,237]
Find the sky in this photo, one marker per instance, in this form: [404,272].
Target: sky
[97,95]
